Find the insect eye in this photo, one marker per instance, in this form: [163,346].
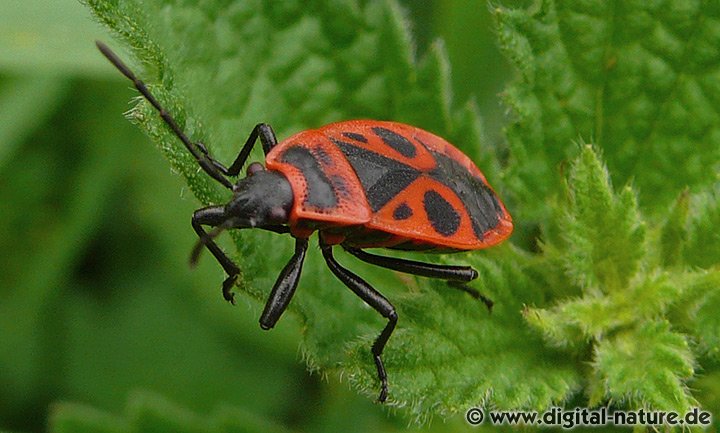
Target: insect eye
[254,168]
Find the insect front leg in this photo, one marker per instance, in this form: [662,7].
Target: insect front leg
[267,139]
[214,216]
[374,299]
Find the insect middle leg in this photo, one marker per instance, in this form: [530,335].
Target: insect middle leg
[374,299]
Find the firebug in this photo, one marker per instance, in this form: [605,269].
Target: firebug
[360,184]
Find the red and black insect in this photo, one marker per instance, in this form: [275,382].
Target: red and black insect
[359,184]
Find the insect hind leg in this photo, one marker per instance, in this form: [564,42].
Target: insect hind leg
[456,276]
[284,288]
[472,292]
[430,270]
[375,300]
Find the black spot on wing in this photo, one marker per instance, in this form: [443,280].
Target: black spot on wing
[382,178]
[320,193]
[396,141]
[355,136]
[443,217]
[402,212]
[369,167]
[389,186]
[480,201]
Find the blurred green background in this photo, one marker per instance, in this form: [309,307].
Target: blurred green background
[97,301]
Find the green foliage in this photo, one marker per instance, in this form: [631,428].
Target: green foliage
[606,295]
[299,68]
[702,247]
[47,40]
[452,351]
[666,363]
[639,79]
[147,412]
[603,232]
[624,297]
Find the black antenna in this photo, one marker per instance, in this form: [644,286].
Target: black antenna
[199,155]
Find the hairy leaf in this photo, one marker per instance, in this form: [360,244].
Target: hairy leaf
[674,231]
[222,68]
[605,256]
[697,309]
[637,78]
[603,232]
[646,366]
[454,351]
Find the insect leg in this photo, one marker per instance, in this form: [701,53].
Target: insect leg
[374,299]
[461,285]
[279,229]
[443,272]
[214,216]
[267,138]
[284,287]
[456,276]
[199,152]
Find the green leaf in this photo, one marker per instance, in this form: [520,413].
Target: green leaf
[674,232]
[625,76]
[38,37]
[703,238]
[220,69]
[603,233]
[19,101]
[652,373]
[697,308]
[639,79]
[77,418]
[65,209]
[149,412]
[594,316]
[606,256]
